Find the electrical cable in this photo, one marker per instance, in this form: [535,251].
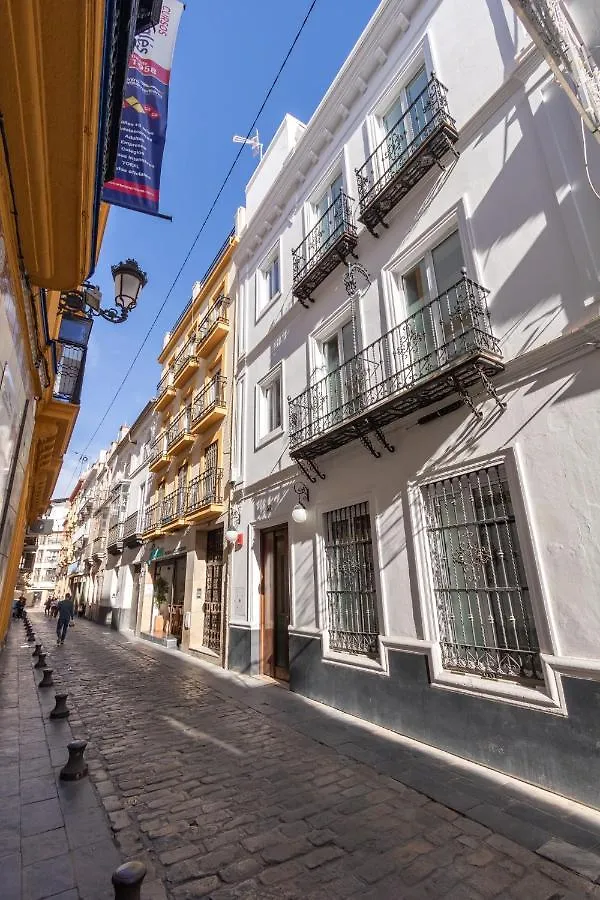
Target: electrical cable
[203,224]
[585,159]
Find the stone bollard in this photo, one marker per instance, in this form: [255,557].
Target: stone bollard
[31,637]
[127,880]
[36,652]
[76,766]
[60,710]
[41,660]
[46,679]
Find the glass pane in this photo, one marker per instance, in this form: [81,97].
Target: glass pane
[274,405]
[415,287]
[331,354]
[447,263]
[348,350]
[416,86]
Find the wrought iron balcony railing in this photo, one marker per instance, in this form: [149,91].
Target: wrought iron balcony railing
[422,135]
[205,490]
[211,396]
[179,426]
[216,315]
[157,449]
[164,384]
[70,365]
[99,545]
[152,517]
[324,247]
[132,528]
[115,536]
[173,506]
[440,350]
[187,353]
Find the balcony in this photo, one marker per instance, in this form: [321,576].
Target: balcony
[186,363]
[132,530]
[213,327]
[165,391]
[99,546]
[158,458]
[115,538]
[152,520]
[70,365]
[172,515]
[209,405]
[421,137]
[179,435]
[438,352]
[324,247]
[205,496]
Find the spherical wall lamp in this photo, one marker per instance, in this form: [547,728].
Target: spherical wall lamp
[299,513]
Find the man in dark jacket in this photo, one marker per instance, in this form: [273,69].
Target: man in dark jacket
[66,611]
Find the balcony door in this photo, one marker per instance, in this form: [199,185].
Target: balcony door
[340,383]
[404,123]
[181,490]
[211,455]
[329,215]
[426,340]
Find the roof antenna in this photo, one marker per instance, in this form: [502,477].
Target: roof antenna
[254,142]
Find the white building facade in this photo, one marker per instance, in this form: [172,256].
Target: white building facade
[430,405]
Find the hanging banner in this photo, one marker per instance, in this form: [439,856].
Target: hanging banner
[136,184]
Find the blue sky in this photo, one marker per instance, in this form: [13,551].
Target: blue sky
[226,56]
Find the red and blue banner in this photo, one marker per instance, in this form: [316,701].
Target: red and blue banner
[136,184]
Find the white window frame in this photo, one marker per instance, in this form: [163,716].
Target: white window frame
[550,696]
[456,218]
[263,301]
[262,436]
[326,330]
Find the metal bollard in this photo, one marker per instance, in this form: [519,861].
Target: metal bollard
[46,679]
[60,710]
[127,880]
[41,660]
[76,766]
[31,637]
[36,652]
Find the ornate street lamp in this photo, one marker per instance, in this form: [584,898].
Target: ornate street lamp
[129,282]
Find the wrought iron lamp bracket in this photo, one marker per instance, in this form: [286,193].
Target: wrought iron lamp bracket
[87,303]
[303,464]
[302,492]
[350,282]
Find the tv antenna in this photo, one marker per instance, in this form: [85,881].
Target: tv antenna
[254,142]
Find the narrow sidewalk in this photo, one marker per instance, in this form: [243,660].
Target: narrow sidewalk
[55,838]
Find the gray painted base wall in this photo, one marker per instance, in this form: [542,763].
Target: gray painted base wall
[243,653]
[553,752]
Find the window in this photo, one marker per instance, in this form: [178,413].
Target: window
[482,602]
[351,612]
[342,384]
[270,281]
[439,319]
[270,413]
[405,122]
[328,212]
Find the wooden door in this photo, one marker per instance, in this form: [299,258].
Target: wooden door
[275,602]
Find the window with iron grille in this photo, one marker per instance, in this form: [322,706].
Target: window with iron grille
[352,619]
[482,600]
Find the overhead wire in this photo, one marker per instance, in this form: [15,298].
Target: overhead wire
[202,226]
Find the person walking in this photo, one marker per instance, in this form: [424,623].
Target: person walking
[66,612]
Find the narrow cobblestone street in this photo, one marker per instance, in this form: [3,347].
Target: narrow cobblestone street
[229,787]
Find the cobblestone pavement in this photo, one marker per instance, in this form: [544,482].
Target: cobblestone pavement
[231,788]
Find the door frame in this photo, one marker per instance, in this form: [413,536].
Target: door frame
[267,645]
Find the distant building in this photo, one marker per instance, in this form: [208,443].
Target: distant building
[40,565]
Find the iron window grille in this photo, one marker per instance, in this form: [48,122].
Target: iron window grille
[211,632]
[326,245]
[482,600]
[352,619]
[422,135]
[169,508]
[393,376]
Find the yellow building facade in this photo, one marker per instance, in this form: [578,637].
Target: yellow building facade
[189,463]
[62,71]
